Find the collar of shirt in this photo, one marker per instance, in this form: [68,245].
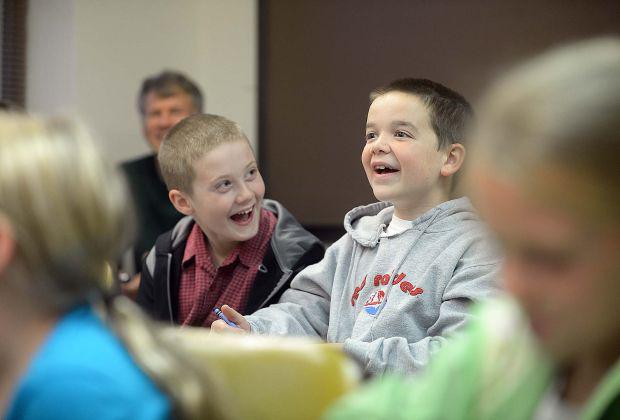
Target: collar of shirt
[396,227]
[247,252]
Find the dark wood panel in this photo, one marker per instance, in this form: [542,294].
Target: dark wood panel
[319,60]
[14,14]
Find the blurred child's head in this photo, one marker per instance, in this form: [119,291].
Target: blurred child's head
[546,178]
[212,175]
[415,134]
[63,212]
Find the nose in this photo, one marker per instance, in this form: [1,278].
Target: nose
[380,145]
[244,195]
[165,120]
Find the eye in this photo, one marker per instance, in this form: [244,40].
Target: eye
[546,260]
[252,173]
[401,134]
[223,186]
[370,136]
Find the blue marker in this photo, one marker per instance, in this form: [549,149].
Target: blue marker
[221,315]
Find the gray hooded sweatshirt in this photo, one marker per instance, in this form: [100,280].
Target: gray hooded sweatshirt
[391,300]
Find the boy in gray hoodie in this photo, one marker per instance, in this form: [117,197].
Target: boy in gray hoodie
[401,279]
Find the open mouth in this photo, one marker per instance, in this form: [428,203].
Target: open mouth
[384,169]
[244,216]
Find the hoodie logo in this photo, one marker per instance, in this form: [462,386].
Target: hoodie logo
[375,303]
[377,300]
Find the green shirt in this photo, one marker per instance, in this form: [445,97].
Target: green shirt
[494,371]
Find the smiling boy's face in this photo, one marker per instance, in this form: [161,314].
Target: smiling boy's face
[227,193]
[560,263]
[400,157]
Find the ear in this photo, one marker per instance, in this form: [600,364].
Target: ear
[455,156]
[7,243]
[181,202]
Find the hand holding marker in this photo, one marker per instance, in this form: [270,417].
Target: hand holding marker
[223,317]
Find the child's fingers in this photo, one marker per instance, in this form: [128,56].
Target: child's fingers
[220,326]
[236,317]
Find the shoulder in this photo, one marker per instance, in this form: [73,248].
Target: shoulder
[142,176]
[71,394]
[174,238]
[494,365]
[459,227]
[90,371]
[290,240]
[179,233]
[139,165]
[83,342]
[173,241]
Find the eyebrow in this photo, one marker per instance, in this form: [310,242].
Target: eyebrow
[405,123]
[397,124]
[228,175]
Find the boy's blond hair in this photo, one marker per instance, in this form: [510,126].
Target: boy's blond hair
[568,101]
[190,140]
[67,207]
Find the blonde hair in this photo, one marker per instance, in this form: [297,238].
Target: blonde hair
[66,206]
[194,391]
[190,140]
[68,211]
[561,108]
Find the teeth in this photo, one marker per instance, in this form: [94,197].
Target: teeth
[382,167]
[246,211]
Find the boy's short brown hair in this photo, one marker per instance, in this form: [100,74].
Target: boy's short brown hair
[450,113]
[190,140]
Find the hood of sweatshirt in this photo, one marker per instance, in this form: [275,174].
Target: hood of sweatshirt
[366,223]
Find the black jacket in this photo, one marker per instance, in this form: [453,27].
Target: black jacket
[155,213]
[291,249]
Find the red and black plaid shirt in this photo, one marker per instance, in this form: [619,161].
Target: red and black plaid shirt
[203,286]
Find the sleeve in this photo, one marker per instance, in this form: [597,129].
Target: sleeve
[469,283]
[304,308]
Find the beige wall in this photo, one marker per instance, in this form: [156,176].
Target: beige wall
[51,52]
[87,58]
